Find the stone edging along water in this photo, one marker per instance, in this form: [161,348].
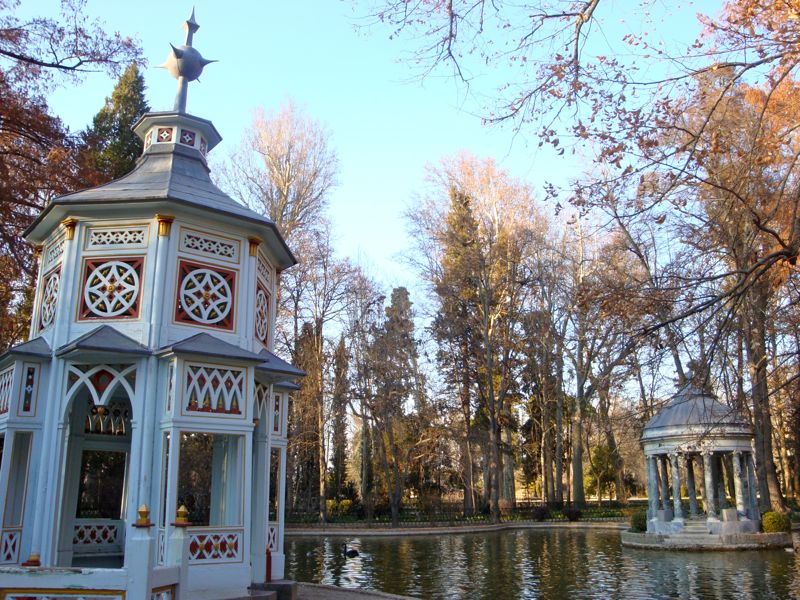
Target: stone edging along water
[321,530]
[320,590]
[694,542]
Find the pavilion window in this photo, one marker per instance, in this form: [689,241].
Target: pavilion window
[18,479]
[210,478]
[101,485]
[162,519]
[274,478]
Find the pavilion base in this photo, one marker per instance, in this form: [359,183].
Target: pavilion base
[708,541]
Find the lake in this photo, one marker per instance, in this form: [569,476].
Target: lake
[539,564]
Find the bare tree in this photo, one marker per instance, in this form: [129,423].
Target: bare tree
[284,168]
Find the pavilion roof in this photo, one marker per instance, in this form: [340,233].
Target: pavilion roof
[104,339]
[38,347]
[692,407]
[205,344]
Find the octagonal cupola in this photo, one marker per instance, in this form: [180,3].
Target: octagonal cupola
[162,251]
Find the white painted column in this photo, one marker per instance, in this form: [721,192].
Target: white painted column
[676,486]
[708,473]
[158,302]
[46,514]
[260,500]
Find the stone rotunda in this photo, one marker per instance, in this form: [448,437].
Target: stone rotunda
[698,443]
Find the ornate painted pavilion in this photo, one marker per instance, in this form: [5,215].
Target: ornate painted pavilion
[143,426]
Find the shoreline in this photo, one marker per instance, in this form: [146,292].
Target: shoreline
[366,531]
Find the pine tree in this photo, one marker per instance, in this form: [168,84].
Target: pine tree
[339,424]
[110,145]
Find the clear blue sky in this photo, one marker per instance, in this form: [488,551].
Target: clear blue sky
[384,124]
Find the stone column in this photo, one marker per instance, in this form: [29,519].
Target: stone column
[708,472]
[719,478]
[664,483]
[676,486]
[741,506]
[755,513]
[652,487]
[690,486]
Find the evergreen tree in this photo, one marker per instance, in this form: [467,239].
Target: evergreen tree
[339,422]
[110,145]
[392,356]
[303,449]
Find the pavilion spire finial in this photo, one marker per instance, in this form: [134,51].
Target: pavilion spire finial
[185,63]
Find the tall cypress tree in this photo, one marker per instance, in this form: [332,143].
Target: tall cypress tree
[110,145]
[339,424]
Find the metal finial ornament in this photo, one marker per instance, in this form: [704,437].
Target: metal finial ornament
[185,63]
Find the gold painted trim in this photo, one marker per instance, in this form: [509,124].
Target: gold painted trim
[164,224]
[255,242]
[69,225]
[5,592]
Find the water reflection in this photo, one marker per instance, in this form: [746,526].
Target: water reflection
[532,564]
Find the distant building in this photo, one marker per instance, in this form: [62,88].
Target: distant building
[143,425]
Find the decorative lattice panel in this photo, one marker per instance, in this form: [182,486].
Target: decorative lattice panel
[162,547]
[30,387]
[262,317]
[53,253]
[10,540]
[277,416]
[262,400]
[111,420]
[49,301]
[95,534]
[170,386]
[214,389]
[111,288]
[205,295]
[187,137]
[6,383]
[264,270]
[272,538]
[100,380]
[206,244]
[215,546]
[105,238]
[164,135]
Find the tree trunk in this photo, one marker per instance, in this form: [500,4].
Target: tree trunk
[560,431]
[508,492]
[578,496]
[755,339]
[366,459]
[611,440]
[548,492]
[469,481]
[466,411]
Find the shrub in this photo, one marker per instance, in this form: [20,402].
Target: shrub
[572,514]
[540,513]
[776,522]
[639,521]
